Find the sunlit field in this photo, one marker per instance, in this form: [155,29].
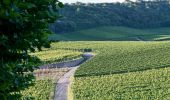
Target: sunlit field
[122,70]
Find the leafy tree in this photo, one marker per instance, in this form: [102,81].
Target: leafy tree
[138,14]
[23,28]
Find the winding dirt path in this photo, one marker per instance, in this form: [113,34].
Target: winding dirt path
[61,91]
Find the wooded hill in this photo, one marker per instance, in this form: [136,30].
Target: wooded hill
[140,14]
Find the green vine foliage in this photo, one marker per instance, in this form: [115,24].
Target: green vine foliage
[24,27]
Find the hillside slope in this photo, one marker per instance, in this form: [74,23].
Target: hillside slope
[124,70]
[115,34]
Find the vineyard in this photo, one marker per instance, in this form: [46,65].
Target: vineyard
[127,57]
[146,85]
[40,91]
[121,57]
[122,70]
[46,79]
[119,70]
[85,50]
[51,56]
[44,86]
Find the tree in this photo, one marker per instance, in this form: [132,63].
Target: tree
[23,28]
[135,14]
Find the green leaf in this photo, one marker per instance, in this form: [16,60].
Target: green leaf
[6,13]
[30,5]
[7,2]
[60,4]
[26,5]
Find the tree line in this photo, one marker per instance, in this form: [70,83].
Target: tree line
[140,14]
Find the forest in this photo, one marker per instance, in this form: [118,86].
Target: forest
[140,14]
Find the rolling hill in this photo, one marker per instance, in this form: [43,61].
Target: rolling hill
[114,34]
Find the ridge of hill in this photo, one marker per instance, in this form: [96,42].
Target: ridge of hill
[112,33]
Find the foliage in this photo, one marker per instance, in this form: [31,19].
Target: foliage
[23,27]
[143,85]
[145,14]
[40,91]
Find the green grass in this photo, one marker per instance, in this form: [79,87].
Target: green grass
[114,34]
[122,71]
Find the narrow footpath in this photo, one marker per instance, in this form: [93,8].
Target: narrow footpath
[61,91]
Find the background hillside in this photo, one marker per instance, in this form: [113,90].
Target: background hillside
[115,34]
[141,15]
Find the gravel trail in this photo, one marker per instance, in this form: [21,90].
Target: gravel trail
[61,91]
